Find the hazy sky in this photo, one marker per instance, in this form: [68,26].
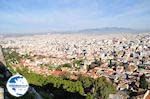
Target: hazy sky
[47,15]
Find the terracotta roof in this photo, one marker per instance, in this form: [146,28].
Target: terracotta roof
[58,72]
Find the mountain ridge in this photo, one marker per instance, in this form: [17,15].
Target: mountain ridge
[104,30]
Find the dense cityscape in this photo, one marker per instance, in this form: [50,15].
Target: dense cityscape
[123,59]
[74,49]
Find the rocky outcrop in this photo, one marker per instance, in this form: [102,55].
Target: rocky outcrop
[147,95]
[2,56]
[4,72]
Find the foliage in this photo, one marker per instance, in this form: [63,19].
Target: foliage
[46,95]
[67,65]
[143,82]
[27,56]
[89,96]
[57,82]
[78,62]
[11,56]
[26,96]
[103,88]
[86,81]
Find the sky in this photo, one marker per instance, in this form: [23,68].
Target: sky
[58,15]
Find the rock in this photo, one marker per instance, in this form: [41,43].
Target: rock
[147,95]
[1,93]
[119,95]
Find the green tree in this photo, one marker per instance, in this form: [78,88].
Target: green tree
[58,82]
[89,96]
[103,88]
[143,82]
[86,81]
[67,65]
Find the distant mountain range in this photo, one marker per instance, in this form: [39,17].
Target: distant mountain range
[105,30]
[112,30]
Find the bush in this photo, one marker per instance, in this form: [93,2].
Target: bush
[40,80]
[143,82]
[103,88]
[89,96]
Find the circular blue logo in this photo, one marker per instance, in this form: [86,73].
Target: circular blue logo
[17,85]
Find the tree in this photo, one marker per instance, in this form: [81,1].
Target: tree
[89,96]
[57,82]
[67,65]
[78,62]
[143,82]
[86,81]
[103,88]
